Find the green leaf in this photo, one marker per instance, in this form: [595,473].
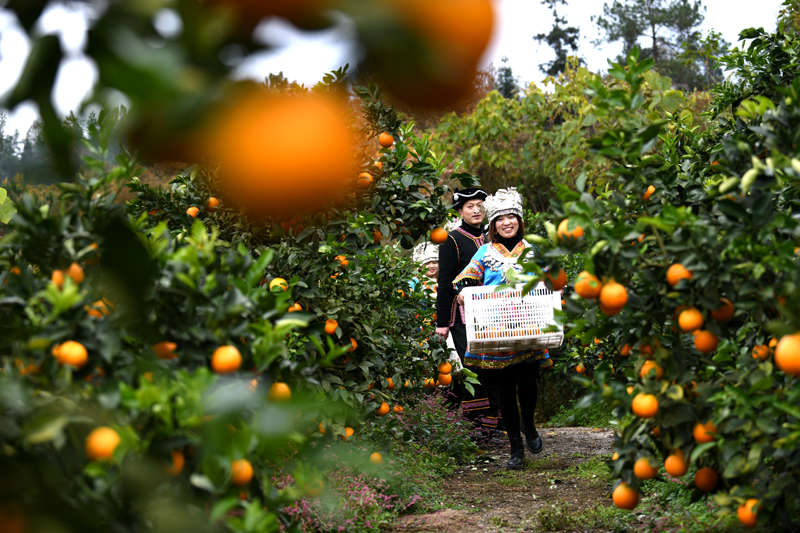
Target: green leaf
[700,450]
[671,100]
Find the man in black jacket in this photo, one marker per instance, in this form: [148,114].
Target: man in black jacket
[454,255]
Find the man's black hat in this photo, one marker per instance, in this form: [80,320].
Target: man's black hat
[465,195]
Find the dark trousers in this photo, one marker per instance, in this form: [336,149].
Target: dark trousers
[483,407]
[520,379]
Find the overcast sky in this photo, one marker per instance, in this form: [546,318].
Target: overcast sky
[304,57]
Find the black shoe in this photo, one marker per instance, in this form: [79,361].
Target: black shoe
[517,453]
[534,441]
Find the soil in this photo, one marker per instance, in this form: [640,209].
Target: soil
[486,497]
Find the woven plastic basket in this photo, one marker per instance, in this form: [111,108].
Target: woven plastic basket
[506,321]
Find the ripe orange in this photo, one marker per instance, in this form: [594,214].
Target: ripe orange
[429,383]
[212,204]
[677,272]
[322,427]
[343,262]
[657,432]
[706,479]
[389,384]
[675,464]
[57,278]
[364,180]
[348,432]
[438,235]
[629,389]
[295,307]
[383,409]
[643,470]
[101,443]
[241,472]
[580,369]
[353,346]
[690,319]
[193,211]
[178,462]
[746,515]
[445,368]
[625,497]
[773,342]
[71,353]
[625,351]
[398,409]
[260,141]
[226,359]
[724,312]
[278,282]
[279,392]
[704,432]
[564,231]
[76,273]
[375,458]
[330,326]
[644,405]
[97,310]
[648,193]
[557,283]
[587,285]
[165,350]
[385,139]
[378,165]
[705,341]
[761,352]
[787,354]
[648,366]
[445,379]
[376,237]
[613,295]
[615,456]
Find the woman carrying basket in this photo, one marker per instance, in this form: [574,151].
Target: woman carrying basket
[512,373]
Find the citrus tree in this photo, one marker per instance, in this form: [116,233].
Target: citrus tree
[690,281]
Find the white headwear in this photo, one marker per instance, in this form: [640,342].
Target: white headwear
[503,202]
[452,224]
[425,253]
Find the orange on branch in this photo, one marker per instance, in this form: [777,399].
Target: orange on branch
[348,432]
[746,515]
[101,443]
[389,384]
[704,432]
[330,326]
[706,479]
[644,405]
[71,353]
[675,464]
[165,350]
[226,359]
[587,286]
[364,180]
[178,462]
[625,496]
[241,472]
[376,458]
[613,295]
[724,312]
[677,272]
[343,262]
[383,409]
[643,470]
[558,282]
[705,341]
[648,193]
[649,366]
[353,345]
[75,271]
[445,379]
[279,392]
[278,282]
[580,369]
[212,204]
[564,231]
[385,139]
[398,409]
[193,211]
[690,319]
[260,141]
[438,235]
[761,352]
[787,354]
[445,368]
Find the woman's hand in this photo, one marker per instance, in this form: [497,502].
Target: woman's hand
[461,299]
[443,332]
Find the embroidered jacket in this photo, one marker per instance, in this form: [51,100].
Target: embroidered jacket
[489,266]
[454,255]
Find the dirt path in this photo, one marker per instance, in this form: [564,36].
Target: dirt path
[553,488]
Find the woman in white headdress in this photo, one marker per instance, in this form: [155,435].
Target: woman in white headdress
[513,373]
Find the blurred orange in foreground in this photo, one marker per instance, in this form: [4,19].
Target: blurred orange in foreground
[281,155]
[430,58]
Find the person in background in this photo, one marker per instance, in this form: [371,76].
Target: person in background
[454,255]
[512,373]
